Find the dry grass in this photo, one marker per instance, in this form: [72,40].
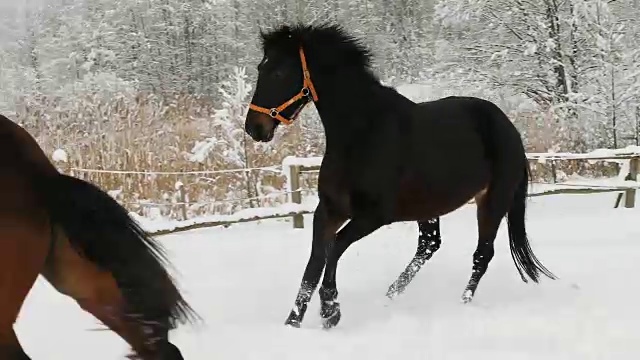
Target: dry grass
[145,133]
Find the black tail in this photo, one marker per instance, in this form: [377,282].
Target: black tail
[102,231]
[523,257]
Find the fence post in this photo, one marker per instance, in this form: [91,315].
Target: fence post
[61,161]
[183,199]
[296,196]
[630,194]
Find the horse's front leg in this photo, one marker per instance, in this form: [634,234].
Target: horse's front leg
[356,229]
[325,225]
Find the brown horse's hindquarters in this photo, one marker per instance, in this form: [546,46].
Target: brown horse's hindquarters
[24,245]
[94,289]
[109,265]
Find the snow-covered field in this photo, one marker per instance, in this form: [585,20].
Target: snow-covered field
[243,281]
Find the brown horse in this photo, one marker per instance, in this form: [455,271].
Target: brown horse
[86,245]
[388,159]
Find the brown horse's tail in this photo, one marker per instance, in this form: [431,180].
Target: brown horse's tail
[102,231]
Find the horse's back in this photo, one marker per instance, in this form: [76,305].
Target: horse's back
[24,225]
[21,161]
[446,140]
[19,150]
[451,157]
[465,129]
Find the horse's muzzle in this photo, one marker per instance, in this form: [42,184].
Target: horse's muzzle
[261,127]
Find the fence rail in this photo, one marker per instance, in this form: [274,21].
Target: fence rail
[173,192]
[625,183]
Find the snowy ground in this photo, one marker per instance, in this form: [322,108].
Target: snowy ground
[243,280]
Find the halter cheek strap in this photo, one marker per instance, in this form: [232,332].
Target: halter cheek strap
[307,90]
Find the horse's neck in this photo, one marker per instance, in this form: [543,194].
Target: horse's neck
[348,108]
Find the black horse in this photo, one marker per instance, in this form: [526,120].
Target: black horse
[388,159]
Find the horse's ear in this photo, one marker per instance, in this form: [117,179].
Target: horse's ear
[263,34]
[262,31]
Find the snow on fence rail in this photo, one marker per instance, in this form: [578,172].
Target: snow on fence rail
[294,167]
[274,168]
[164,227]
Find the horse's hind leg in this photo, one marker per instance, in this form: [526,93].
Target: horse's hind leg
[492,206]
[97,292]
[24,252]
[11,349]
[429,241]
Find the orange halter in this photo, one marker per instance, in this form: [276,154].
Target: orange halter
[307,89]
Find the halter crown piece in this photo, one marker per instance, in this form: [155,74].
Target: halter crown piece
[307,89]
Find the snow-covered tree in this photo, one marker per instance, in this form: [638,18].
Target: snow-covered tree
[227,126]
[564,55]
[229,141]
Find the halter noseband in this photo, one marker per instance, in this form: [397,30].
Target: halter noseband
[307,89]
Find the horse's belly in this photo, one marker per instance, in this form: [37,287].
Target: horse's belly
[419,200]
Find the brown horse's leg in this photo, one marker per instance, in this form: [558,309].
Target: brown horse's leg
[11,349]
[429,241]
[97,292]
[23,252]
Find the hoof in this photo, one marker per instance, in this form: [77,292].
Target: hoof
[330,314]
[293,320]
[467,296]
[329,307]
[394,291]
[331,321]
[296,315]
[292,323]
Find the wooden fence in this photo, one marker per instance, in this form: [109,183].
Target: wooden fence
[625,183]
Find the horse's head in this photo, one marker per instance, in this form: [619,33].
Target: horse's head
[283,87]
[295,59]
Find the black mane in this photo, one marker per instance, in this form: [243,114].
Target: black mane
[330,44]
